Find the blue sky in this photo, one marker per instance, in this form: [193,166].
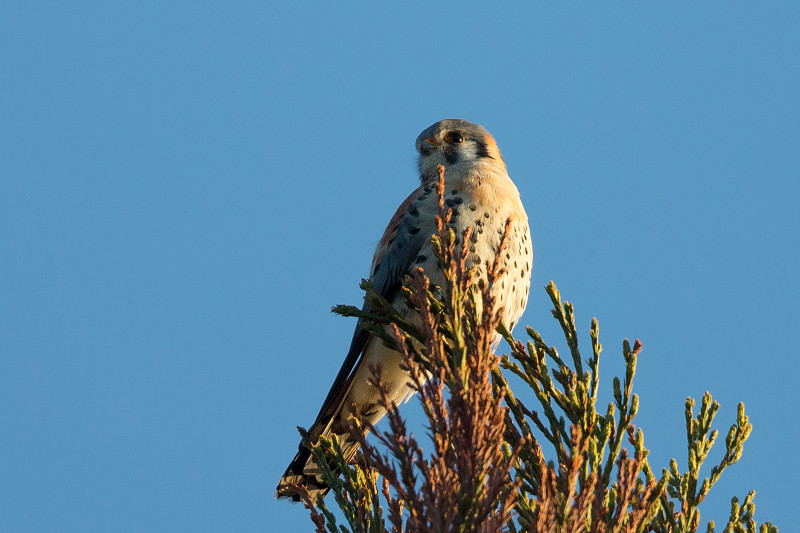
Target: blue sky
[187,188]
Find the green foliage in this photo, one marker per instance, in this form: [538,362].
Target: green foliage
[589,446]
[486,469]
[355,491]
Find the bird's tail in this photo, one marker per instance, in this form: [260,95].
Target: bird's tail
[336,416]
[304,471]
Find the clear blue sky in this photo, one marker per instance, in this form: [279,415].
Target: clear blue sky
[187,188]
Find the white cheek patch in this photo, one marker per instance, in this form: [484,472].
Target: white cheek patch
[469,152]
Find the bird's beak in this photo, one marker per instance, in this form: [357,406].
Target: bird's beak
[429,145]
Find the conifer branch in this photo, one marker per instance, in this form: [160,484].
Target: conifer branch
[483,467]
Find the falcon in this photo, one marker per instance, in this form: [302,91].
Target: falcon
[481,195]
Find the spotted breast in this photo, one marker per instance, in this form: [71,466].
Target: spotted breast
[482,196]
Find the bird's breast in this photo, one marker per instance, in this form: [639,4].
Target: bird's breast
[490,206]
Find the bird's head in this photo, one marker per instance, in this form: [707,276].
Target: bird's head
[454,142]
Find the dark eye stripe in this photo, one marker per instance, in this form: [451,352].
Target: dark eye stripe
[481,149]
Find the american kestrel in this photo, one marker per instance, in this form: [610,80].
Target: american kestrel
[481,195]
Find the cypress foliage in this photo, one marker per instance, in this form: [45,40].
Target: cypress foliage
[484,469]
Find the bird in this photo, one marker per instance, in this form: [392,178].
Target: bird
[481,195]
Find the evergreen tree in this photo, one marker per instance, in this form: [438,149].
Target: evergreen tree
[485,470]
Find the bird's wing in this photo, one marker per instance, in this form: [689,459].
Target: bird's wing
[408,232]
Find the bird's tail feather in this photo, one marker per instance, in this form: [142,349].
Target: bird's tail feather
[304,471]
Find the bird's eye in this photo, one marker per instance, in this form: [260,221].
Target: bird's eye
[454,138]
